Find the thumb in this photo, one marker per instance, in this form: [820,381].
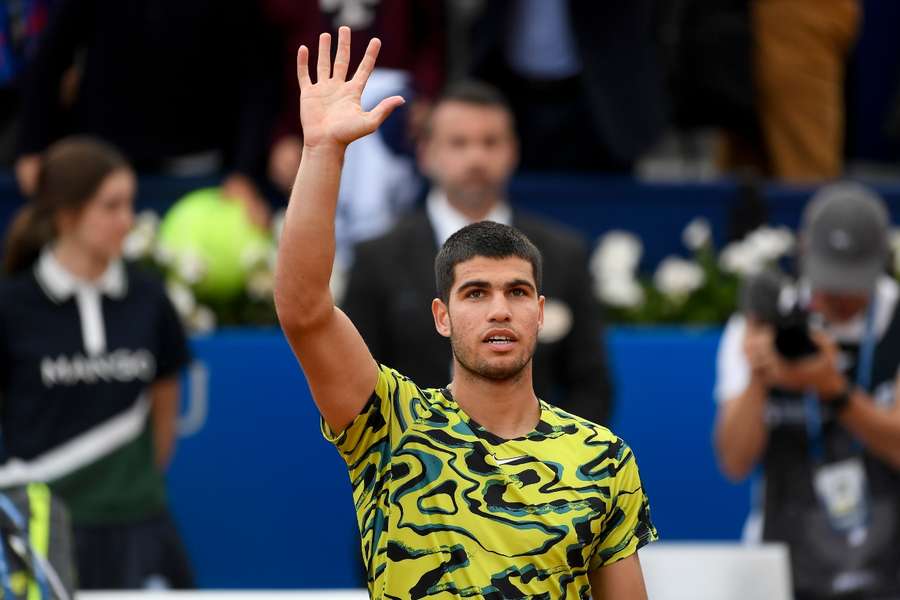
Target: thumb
[384,109]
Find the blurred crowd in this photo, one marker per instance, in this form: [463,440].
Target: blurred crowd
[95,92]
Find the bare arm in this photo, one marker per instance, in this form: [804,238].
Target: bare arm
[622,580]
[164,397]
[741,434]
[877,428]
[339,368]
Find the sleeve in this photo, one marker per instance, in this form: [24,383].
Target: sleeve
[732,370]
[627,526]
[370,431]
[174,353]
[366,445]
[584,371]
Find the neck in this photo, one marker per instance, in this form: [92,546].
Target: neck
[471,209]
[79,263]
[507,408]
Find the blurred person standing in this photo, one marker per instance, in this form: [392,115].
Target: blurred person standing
[181,87]
[469,151]
[90,351]
[21,24]
[583,78]
[378,182]
[806,389]
[799,57]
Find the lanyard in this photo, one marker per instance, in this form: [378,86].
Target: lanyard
[864,366]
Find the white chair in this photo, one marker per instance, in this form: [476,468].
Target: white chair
[714,571]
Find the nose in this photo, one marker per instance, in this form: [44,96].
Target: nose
[499,309]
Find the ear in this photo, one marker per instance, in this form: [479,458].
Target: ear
[441,314]
[541,312]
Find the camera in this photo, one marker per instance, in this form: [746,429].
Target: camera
[772,298]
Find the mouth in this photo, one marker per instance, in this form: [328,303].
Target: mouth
[500,339]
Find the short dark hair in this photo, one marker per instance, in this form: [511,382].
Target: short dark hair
[472,91]
[487,239]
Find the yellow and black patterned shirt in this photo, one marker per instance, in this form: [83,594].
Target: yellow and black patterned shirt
[447,509]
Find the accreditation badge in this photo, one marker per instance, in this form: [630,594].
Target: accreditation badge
[841,488]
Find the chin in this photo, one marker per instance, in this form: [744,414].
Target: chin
[496,370]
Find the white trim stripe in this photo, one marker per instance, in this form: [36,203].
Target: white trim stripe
[80,451]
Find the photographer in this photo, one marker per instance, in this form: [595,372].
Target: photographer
[806,386]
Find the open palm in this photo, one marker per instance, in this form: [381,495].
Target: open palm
[330,109]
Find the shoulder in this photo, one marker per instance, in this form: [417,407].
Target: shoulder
[18,289]
[401,234]
[584,438]
[550,236]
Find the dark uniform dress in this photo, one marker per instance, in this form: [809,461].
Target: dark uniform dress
[76,364]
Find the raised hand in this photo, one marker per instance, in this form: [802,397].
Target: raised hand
[330,109]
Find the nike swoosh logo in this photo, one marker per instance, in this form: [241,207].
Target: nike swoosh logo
[503,461]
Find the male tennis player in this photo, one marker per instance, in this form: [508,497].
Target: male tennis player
[480,488]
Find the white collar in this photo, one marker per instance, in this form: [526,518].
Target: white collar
[59,284]
[446,220]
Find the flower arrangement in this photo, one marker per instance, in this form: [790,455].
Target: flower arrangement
[698,290]
[184,271]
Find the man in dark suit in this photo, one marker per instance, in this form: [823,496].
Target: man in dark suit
[469,151]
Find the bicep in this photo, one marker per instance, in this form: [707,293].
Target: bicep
[621,580]
[339,368]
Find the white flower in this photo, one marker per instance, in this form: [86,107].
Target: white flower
[697,234]
[202,320]
[678,278]
[620,292]
[261,285]
[770,244]
[277,225]
[164,255]
[617,255]
[739,258]
[190,266]
[254,257]
[139,242]
[182,298]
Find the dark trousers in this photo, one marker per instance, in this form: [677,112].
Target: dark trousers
[148,553]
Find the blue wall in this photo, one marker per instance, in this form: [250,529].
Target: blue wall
[264,501]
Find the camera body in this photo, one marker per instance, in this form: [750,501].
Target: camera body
[772,298]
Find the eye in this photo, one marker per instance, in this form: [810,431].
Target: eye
[475,294]
[519,292]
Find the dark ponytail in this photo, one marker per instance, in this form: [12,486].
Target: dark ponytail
[72,170]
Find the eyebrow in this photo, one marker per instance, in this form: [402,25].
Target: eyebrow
[480,284]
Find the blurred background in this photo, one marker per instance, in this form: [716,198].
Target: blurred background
[677,140]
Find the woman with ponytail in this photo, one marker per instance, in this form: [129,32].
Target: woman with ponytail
[90,351]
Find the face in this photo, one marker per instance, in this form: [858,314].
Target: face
[101,225]
[493,316]
[839,308]
[470,153]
